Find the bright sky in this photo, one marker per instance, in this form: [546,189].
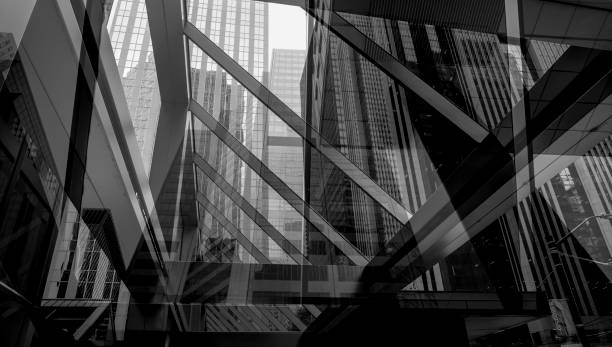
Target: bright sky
[287,27]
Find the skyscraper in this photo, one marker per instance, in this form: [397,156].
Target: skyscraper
[81,269]
[8,48]
[352,110]
[283,152]
[232,25]
[128,29]
[576,201]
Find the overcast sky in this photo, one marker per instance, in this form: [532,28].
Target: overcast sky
[287,27]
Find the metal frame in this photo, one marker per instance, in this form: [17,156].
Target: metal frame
[397,71]
[248,209]
[233,230]
[166,28]
[296,123]
[278,185]
[446,222]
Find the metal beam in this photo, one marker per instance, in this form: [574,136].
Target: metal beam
[454,215]
[206,279]
[396,70]
[166,28]
[125,190]
[297,123]
[569,22]
[578,23]
[89,323]
[278,185]
[219,320]
[232,229]
[256,319]
[292,317]
[270,318]
[249,210]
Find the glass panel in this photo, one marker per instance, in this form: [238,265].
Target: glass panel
[361,111]
[43,234]
[128,28]
[246,225]
[244,116]
[281,214]
[288,75]
[217,245]
[26,231]
[479,72]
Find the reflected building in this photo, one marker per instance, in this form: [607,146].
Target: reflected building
[8,49]
[575,200]
[352,108]
[283,152]
[479,72]
[232,25]
[81,269]
[128,28]
[379,125]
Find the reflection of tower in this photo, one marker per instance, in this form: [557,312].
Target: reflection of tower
[79,269]
[240,29]
[131,42]
[353,109]
[476,71]
[8,49]
[283,152]
[142,94]
[575,194]
[484,73]
[542,55]
[493,73]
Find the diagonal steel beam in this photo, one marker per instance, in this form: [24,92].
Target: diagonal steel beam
[257,321]
[233,230]
[270,318]
[585,24]
[236,324]
[279,185]
[165,26]
[215,290]
[248,209]
[392,67]
[296,123]
[218,319]
[396,70]
[243,318]
[292,317]
[90,322]
[484,186]
[135,206]
[206,279]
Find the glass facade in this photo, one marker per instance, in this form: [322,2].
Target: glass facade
[305,173]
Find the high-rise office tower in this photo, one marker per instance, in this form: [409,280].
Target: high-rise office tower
[352,110]
[576,201]
[284,152]
[8,49]
[128,28]
[240,29]
[493,73]
[480,72]
[380,125]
